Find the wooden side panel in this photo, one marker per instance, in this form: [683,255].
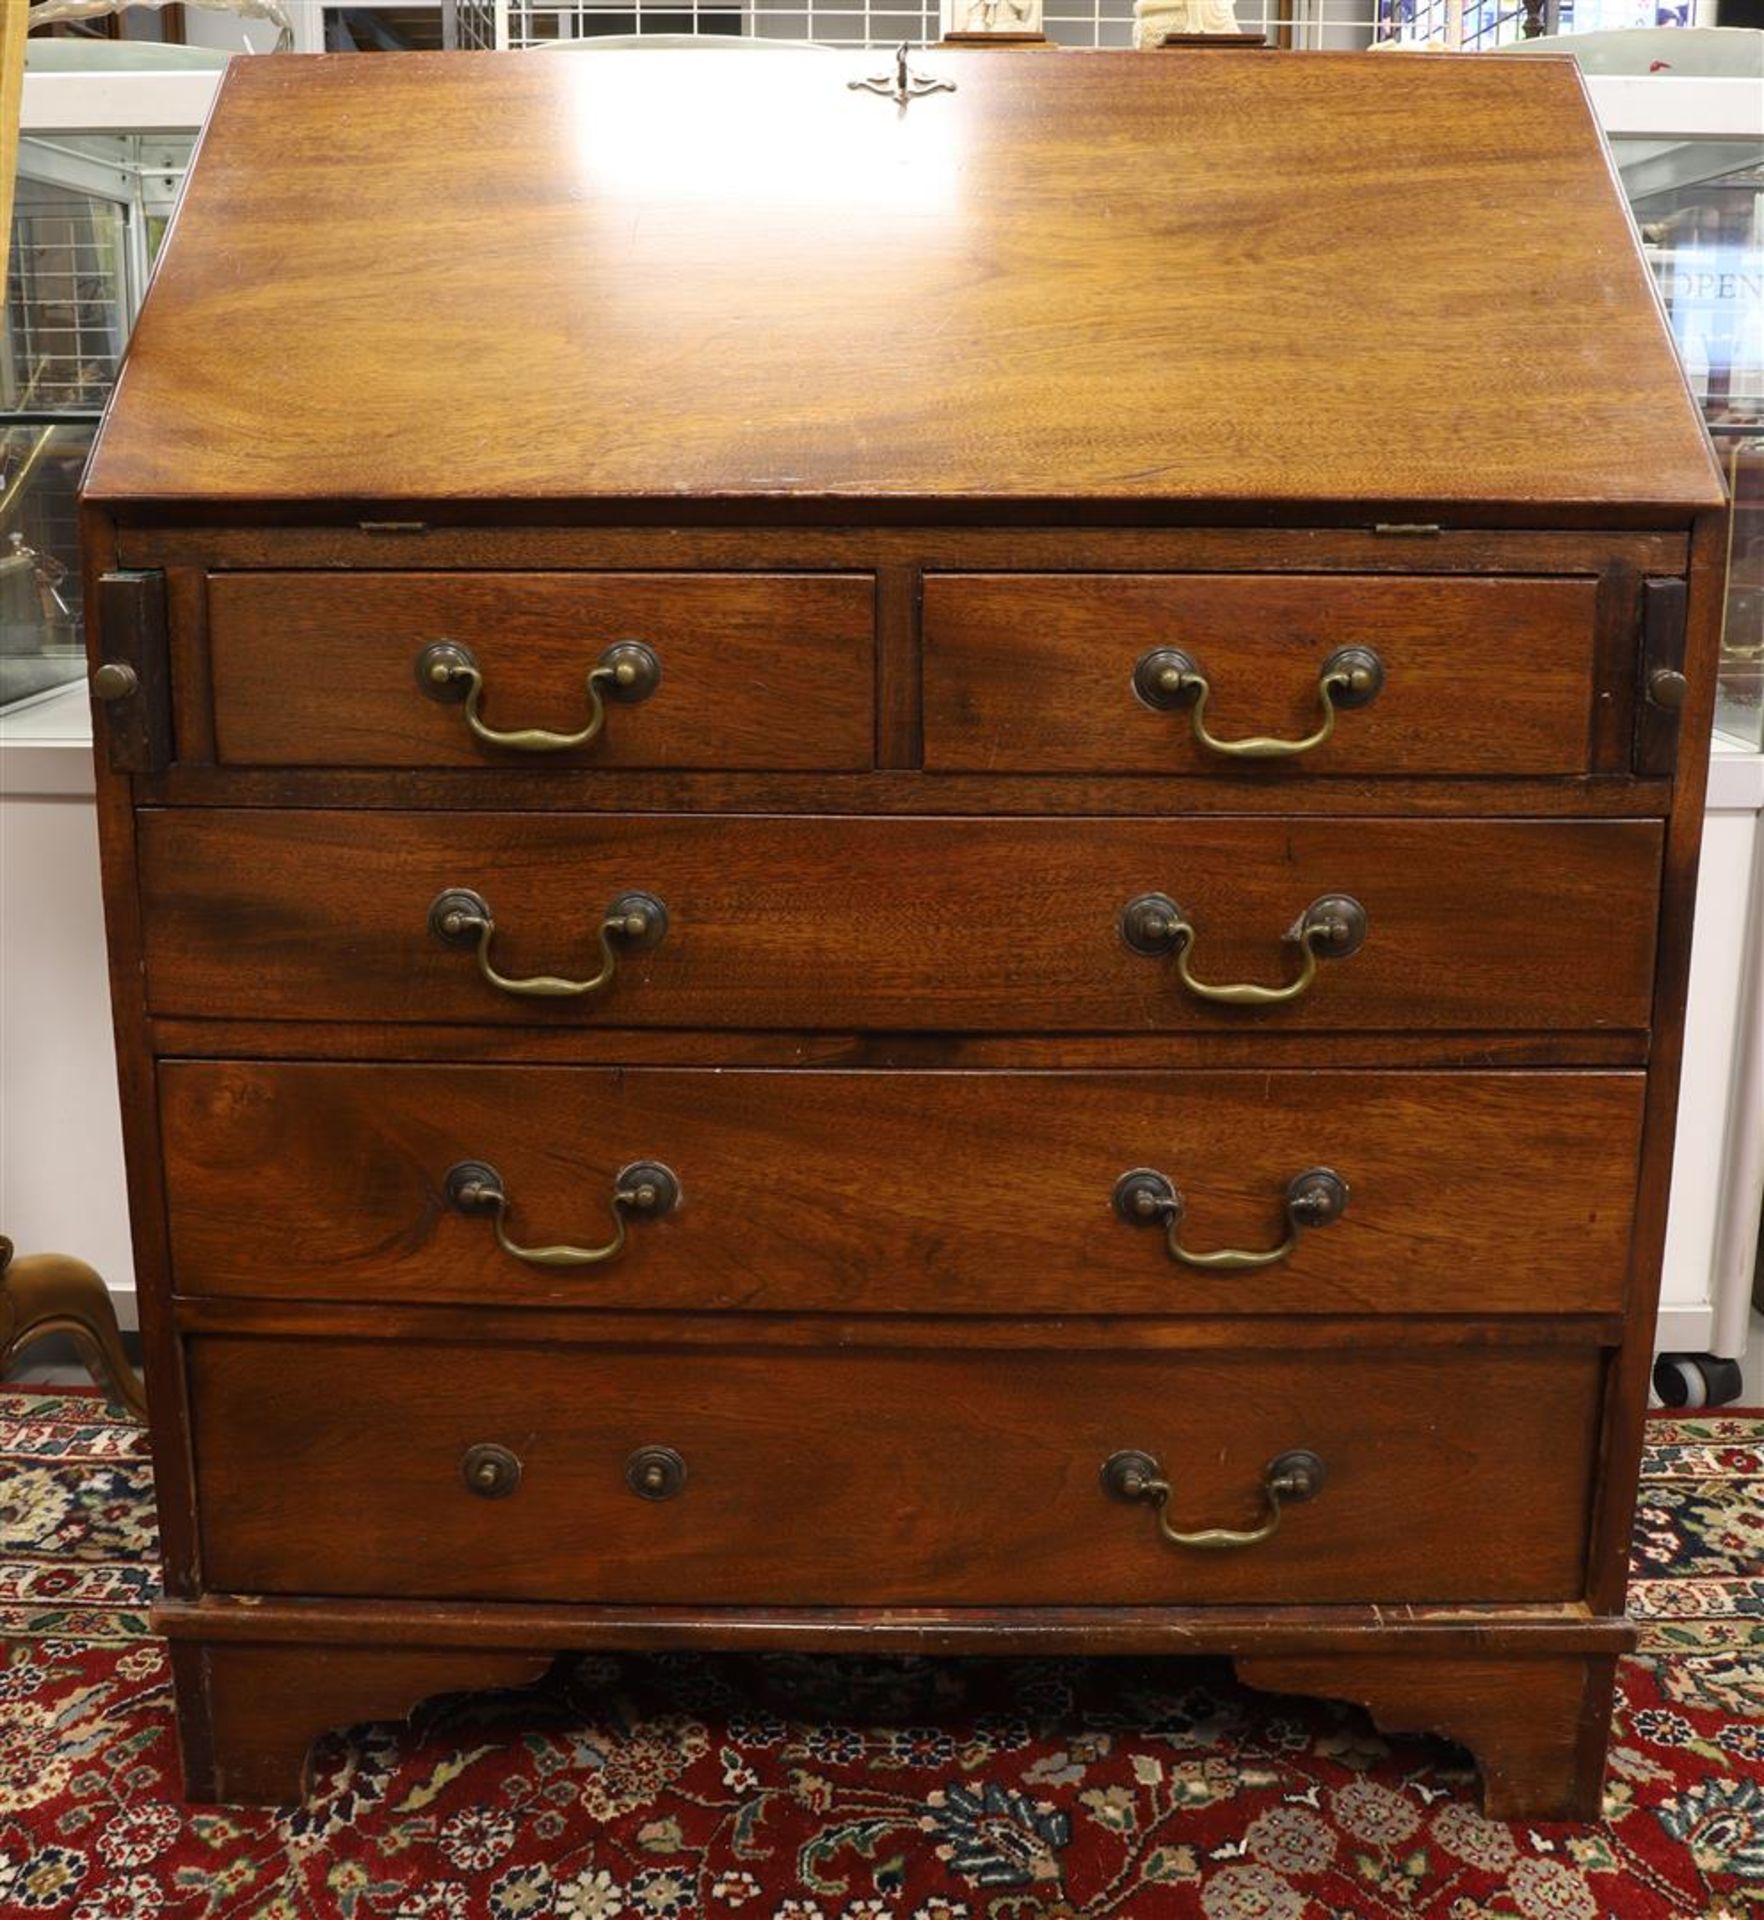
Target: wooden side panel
[757,670]
[135,727]
[1035,672]
[1626,1406]
[988,925]
[163,1352]
[889,1476]
[904,1192]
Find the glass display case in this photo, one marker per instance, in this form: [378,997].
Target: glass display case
[88,215]
[1690,151]
[1700,207]
[40,642]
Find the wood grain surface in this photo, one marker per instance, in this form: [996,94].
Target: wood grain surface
[1537,1725]
[987,925]
[261,1677]
[878,1478]
[757,670]
[1083,542]
[898,1193]
[249,1714]
[1539,1629]
[1197,286]
[1033,673]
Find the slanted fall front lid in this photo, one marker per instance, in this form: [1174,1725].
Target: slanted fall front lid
[1178,285]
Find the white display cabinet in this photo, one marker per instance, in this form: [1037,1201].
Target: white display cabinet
[1691,158]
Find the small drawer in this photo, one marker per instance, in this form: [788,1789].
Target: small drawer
[1103,673]
[904,1192]
[894,1476]
[1020,925]
[690,670]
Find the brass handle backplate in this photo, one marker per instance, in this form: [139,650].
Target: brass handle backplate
[655,1473]
[1330,928]
[1167,678]
[490,1471]
[636,922]
[1146,1198]
[645,1190]
[627,672]
[1288,1479]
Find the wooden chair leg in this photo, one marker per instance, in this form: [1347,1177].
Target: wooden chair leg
[48,1293]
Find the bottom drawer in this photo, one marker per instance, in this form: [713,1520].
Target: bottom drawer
[891,1476]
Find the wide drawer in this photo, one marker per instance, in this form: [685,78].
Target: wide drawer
[882,1477]
[876,1192]
[1037,673]
[895,924]
[750,670]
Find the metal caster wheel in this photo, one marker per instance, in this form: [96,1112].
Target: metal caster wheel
[1696,1380]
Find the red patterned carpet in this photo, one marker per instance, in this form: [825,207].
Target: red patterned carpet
[792,1789]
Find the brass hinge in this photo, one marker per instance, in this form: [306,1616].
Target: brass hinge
[131,684]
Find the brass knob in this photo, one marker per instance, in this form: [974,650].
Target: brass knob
[115,680]
[490,1471]
[1667,688]
[655,1473]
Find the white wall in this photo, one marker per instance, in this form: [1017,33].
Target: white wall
[61,1164]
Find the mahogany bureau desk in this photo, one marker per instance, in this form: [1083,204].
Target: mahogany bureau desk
[908,872]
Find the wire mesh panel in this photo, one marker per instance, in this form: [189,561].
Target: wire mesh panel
[1070,23]
[1340,25]
[66,309]
[832,23]
[1088,23]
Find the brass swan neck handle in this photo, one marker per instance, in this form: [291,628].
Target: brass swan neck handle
[634,922]
[448,672]
[1288,1479]
[1167,678]
[1333,927]
[1146,1198]
[644,1190]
